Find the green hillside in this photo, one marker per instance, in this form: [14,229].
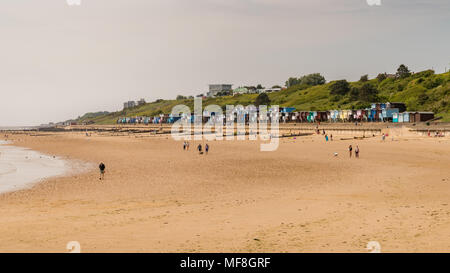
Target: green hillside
[423,91]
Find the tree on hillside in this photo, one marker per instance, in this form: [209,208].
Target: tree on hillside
[354,93]
[381,77]
[364,78]
[262,99]
[292,81]
[339,88]
[403,71]
[313,79]
[259,86]
[181,97]
[368,93]
[224,93]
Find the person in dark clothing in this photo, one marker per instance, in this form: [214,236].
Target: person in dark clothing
[102,168]
[350,150]
[206,148]
[199,148]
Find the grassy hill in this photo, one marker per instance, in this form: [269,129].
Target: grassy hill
[423,91]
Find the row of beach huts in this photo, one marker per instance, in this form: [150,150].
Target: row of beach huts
[378,112]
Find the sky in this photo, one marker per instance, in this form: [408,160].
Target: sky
[59,61]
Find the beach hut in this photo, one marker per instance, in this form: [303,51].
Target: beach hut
[421,116]
[340,115]
[287,109]
[399,105]
[406,117]
[390,113]
[336,115]
[352,115]
[304,116]
[400,118]
[321,116]
[332,116]
[379,115]
[359,115]
[395,117]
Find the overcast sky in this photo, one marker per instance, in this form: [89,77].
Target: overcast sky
[59,61]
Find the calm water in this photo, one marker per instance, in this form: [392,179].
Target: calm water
[20,167]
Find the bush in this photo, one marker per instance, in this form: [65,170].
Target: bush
[364,78]
[368,93]
[313,79]
[422,98]
[341,87]
[354,93]
[403,72]
[433,83]
[381,77]
[262,99]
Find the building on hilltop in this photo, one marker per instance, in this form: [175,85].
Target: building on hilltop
[241,90]
[269,90]
[214,89]
[141,102]
[129,104]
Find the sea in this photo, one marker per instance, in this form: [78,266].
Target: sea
[21,168]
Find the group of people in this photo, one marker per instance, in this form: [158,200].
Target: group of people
[186,145]
[350,150]
[102,166]
[325,134]
[199,147]
[436,134]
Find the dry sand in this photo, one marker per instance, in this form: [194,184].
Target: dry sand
[158,198]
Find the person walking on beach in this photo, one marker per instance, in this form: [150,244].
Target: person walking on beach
[102,168]
[184,146]
[326,138]
[383,137]
[331,137]
[350,149]
[357,151]
[206,148]
[199,148]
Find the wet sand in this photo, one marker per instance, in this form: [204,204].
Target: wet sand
[301,198]
[20,168]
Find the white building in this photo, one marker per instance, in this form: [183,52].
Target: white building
[214,89]
[129,104]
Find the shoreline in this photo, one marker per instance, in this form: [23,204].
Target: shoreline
[24,168]
[158,198]
[21,168]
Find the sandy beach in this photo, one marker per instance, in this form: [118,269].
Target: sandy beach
[301,198]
